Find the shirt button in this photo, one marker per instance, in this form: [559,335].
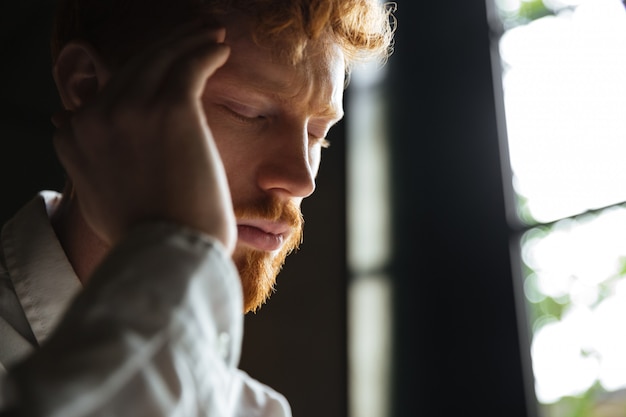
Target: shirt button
[223,345]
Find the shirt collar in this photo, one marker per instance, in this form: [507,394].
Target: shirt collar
[43,278]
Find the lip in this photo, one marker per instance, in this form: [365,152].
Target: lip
[262,235]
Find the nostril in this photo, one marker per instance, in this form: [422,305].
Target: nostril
[287,179]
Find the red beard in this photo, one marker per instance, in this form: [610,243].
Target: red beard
[258,269]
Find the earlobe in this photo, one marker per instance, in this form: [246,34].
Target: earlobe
[79,74]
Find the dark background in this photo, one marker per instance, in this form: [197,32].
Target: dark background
[457,345]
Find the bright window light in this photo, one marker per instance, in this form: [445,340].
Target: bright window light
[565,98]
[369,247]
[564,85]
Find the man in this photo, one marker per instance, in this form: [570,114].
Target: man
[190,134]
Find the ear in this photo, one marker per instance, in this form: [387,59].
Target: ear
[79,74]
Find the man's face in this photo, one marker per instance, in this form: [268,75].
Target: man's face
[269,119]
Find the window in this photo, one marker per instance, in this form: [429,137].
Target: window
[564,89]
[369,245]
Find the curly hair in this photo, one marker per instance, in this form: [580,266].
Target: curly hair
[363,29]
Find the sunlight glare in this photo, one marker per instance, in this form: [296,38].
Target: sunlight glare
[565,96]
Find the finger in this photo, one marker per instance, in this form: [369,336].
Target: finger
[142,78]
[161,63]
[187,78]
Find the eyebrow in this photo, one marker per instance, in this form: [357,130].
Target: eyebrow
[262,87]
[259,81]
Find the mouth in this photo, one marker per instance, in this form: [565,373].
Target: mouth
[262,235]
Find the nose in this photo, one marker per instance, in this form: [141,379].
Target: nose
[290,165]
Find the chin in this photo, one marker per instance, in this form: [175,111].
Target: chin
[258,271]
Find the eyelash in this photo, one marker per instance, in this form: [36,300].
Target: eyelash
[324,143]
[242,117]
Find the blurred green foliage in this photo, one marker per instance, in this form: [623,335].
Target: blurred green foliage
[528,11]
[533,10]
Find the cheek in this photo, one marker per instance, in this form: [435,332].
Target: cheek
[230,142]
[233,152]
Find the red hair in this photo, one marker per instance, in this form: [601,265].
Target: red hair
[363,29]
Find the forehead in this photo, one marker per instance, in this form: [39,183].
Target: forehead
[317,79]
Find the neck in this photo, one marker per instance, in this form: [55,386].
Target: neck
[83,248]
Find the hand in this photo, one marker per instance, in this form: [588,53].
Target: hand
[142,150]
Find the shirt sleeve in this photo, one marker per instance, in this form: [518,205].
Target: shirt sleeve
[156,332]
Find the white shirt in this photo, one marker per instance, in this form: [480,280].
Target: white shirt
[156,332]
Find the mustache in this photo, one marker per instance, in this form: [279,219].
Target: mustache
[271,209]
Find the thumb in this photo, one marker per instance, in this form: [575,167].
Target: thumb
[190,75]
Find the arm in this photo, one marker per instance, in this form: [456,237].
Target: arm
[137,342]
[143,343]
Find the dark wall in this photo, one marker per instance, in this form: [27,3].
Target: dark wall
[457,349]
[27,161]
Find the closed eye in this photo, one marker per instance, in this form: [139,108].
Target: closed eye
[243,113]
[322,141]
[318,131]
